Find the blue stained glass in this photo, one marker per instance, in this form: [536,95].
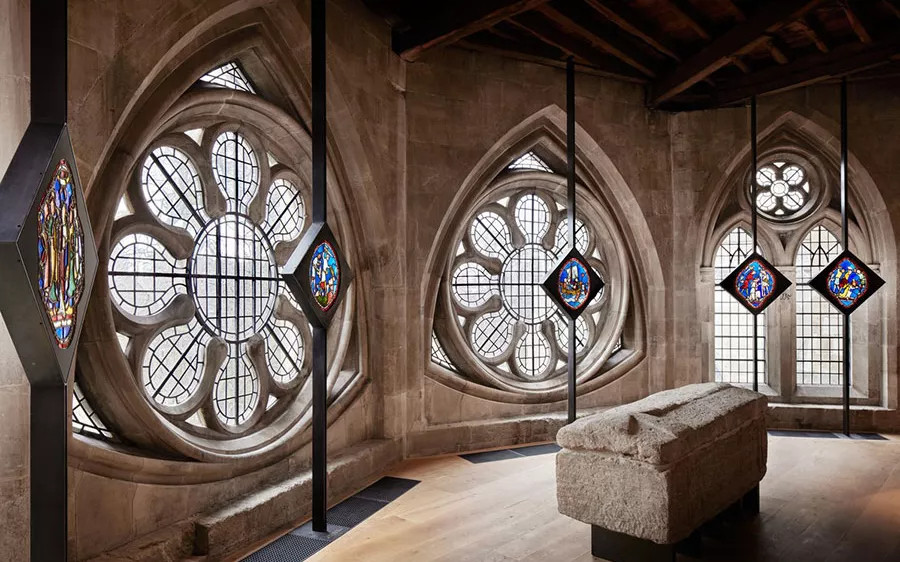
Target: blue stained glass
[324,276]
[847,282]
[755,284]
[574,284]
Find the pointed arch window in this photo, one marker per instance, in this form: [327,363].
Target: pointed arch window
[819,326]
[229,75]
[495,325]
[733,323]
[530,161]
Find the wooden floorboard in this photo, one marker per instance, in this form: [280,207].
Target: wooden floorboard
[830,500]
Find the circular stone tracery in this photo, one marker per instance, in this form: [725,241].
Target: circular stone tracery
[234,278]
[512,327]
[520,284]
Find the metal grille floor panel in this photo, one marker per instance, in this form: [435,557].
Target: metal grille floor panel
[302,542]
[518,452]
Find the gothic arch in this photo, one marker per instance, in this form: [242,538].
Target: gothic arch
[226,31]
[544,133]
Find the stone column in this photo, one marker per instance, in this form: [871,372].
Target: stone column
[15,96]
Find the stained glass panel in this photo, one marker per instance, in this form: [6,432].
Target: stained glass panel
[60,243]
[324,275]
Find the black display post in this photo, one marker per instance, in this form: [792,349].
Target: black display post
[318,275]
[753,218]
[49,439]
[846,282]
[49,260]
[570,216]
[572,284]
[755,283]
[320,333]
[845,243]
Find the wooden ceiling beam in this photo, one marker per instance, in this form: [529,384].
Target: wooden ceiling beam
[736,11]
[814,31]
[770,17]
[455,21]
[777,49]
[737,61]
[856,23]
[542,29]
[816,67]
[627,19]
[892,7]
[691,16]
[581,20]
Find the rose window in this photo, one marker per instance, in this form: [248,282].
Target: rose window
[783,189]
[215,338]
[495,279]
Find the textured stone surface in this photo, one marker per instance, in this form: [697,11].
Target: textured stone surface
[658,468]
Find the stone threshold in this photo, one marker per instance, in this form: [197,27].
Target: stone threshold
[240,526]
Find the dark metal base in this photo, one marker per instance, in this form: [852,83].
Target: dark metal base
[619,547]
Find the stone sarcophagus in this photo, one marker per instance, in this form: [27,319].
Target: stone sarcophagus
[646,475]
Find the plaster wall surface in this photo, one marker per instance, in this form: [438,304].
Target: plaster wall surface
[15,96]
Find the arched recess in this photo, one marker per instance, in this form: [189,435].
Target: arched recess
[813,139]
[598,178]
[227,31]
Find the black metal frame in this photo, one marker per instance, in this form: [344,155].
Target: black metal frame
[551,281]
[47,367]
[296,272]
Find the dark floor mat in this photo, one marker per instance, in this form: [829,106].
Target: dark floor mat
[387,489]
[490,456]
[302,542]
[532,450]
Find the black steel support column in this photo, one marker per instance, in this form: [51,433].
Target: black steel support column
[49,60]
[570,214]
[49,411]
[319,214]
[49,477]
[753,216]
[846,246]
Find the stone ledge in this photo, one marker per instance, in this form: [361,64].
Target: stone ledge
[251,518]
[287,502]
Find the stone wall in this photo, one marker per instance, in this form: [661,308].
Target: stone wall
[130,62]
[404,138]
[14,391]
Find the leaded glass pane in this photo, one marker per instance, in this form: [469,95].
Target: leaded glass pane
[734,323]
[819,326]
[84,419]
[285,212]
[143,276]
[236,170]
[284,344]
[229,75]
[173,364]
[236,389]
[438,355]
[529,161]
[172,189]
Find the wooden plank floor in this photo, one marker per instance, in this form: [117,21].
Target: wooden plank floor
[827,500]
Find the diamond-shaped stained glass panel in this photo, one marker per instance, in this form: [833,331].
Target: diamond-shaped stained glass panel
[60,254]
[572,284]
[755,283]
[847,282]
